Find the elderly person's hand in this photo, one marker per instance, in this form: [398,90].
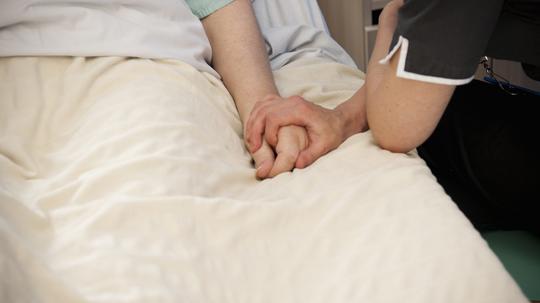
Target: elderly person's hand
[326,128]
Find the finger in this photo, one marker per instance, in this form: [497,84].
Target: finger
[255,125]
[263,171]
[287,153]
[260,105]
[264,161]
[269,116]
[254,135]
[284,162]
[285,116]
[306,157]
[271,130]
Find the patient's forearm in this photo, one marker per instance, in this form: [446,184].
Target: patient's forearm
[239,54]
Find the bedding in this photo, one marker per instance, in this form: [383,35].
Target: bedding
[126,180]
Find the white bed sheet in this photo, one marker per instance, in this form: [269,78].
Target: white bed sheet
[127,181]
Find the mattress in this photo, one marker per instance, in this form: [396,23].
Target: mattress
[127,180]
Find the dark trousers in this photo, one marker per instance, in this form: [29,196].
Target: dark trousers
[483,152]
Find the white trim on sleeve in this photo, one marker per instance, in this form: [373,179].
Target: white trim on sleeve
[402,73]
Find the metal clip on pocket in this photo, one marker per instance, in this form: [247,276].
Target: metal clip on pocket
[500,81]
[495,78]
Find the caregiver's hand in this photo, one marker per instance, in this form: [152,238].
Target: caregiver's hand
[325,128]
[270,163]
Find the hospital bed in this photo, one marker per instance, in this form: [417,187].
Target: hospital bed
[126,180]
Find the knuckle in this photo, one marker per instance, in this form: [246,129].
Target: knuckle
[303,106]
[296,99]
[248,138]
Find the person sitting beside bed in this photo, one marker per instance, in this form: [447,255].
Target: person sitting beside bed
[226,42]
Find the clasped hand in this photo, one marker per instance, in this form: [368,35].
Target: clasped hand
[286,133]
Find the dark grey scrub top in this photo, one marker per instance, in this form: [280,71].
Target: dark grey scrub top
[447,38]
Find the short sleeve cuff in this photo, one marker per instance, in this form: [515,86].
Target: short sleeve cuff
[204,8]
[423,70]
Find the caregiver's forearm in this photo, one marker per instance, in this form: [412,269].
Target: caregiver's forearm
[375,70]
[401,113]
[239,54]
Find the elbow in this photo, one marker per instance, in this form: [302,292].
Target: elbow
[396,142]
[400,128]
[395,146]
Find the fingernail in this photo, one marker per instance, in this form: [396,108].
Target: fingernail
[258,174]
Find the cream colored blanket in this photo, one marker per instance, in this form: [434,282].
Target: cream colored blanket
[126,180]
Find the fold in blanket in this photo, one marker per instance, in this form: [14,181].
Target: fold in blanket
[126,180]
